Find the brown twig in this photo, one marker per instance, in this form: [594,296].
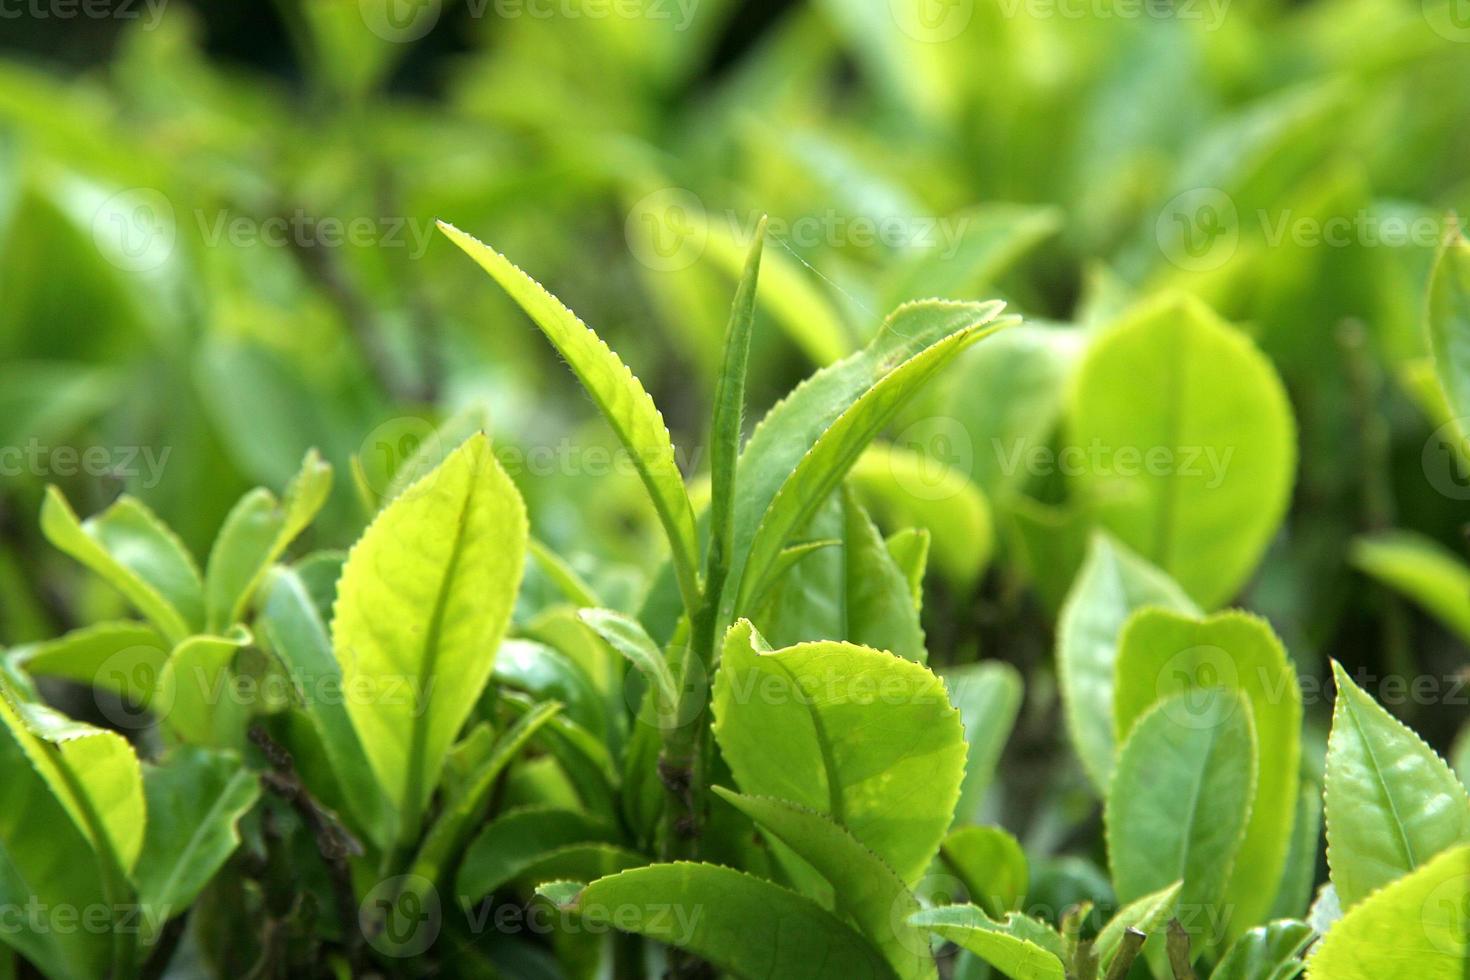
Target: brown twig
[1128,950]
[333,841]
[1179,958]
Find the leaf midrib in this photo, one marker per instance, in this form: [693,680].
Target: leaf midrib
[1382,785]
[428,663]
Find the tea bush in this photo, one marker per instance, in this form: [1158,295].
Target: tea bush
[1004,517]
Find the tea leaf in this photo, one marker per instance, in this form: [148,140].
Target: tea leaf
[1113,584]
[1391,802]
[1010,945]
[744,925]
[1449,325]
[1422,569]
[618,396]
[798,724]
[423,601]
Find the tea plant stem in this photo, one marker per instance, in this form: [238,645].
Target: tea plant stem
[1179,959]
[333,842]
[1128,950]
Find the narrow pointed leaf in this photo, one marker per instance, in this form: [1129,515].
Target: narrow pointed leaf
[617,394]
[1007,945]
[1449,326]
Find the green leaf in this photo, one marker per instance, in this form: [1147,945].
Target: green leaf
[450,830]
[129,547]
[45,857]
[728,417]
[1422,569]
[1449,325]
[195,801]
[1149,915]
[854,591]
[93,772]
[293,629]
[1113,583]
[806,444]
[1164,653]
[841,431]
[511,847]
[625,635]
[196,695]
[804,723]
[988,696]
[909,549]
[1415,927]
[864,888]
[254,535]
[1179,800]
[992,866]
[423,601]
[122,657]
[560,572]
[743,925]
[1269,952]
[1189,444]
[618,395]
[1008,946]
[1391,803]
[1294,894]
[428,453]
[910,488]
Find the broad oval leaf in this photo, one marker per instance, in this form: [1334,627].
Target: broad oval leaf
[129,547]
[1008,945]
[1164,653]
[1112,584]
[1391,803]
[93,772]
[991,864]
[1418,926]
[512,845]
[744,925]
[423,601]
[196,798]
[618,395]
[1189,444]
[804,724]
[1179,801]
[863,887]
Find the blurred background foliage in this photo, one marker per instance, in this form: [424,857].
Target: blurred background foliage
[1027,149]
